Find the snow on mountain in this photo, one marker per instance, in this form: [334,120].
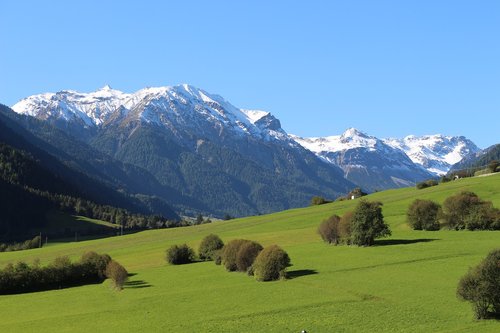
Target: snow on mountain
[254,115]
[350,139]
[189,113]
[91,108]
[171,106]
[437,153]
[366,160]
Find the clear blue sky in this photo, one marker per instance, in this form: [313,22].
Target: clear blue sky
[389,68]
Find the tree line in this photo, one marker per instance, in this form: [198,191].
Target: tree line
[61,273]
[19,246]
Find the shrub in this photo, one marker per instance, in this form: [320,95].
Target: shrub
[117,273]
[329,230]
[246,255]
[231,254]
[466,210]
[481,286]
[423,215]
[367,223]
[445,179]
[316,200]
[96,262]
[493,166]
[180,254]
[271,264]
[427,183]
[208,246]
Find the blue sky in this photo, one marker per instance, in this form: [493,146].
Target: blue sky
[389,68]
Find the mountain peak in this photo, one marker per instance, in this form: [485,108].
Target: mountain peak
[353,132]
[106,87]
[436,152]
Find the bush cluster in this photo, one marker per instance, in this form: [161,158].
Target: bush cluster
[423,215]
[427,183]
[239,254]
[359,227]
[209,247]
[61,273]
[481,286]
[180,254]
[266,264]
[466,210]
[26,245]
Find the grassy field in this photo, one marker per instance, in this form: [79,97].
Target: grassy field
[406,283]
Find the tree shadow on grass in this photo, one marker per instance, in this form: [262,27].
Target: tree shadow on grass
[385,242]
[300,272]
[493,316]
[137,284]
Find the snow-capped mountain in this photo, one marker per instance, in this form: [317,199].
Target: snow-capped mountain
[216,158]
[231,160]
[366,160]
[437,153]
[89,109]
[181,106]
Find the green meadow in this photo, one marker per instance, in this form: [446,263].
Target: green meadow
[406,283]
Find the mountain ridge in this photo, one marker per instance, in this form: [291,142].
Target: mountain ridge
[201,146]
[199,127]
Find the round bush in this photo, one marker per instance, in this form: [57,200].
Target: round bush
[246,255]
[231,254]
[423,215]
[117,273]
[180,254]
[271,264]
[209,245]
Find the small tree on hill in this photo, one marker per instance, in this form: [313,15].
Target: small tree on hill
[423,215]
[368,223]
[208,246]
[317,200]
[180,254]
[329,230]
[481,286]
[271,264]
[493,166]
[117,273]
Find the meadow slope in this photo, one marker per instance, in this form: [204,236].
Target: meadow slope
[406,283]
